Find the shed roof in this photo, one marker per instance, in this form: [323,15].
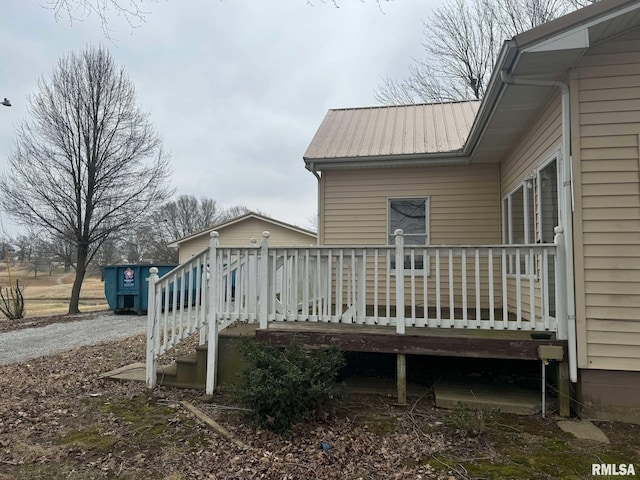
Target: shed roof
[393,130]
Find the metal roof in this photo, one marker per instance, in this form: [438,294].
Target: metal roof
[463,132]
[393,130]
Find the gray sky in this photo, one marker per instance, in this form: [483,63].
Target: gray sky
[236,88]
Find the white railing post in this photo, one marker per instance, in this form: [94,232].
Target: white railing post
[561,284]
[399,280]
[263,311]
[151,329]
[252,279]
[212,324]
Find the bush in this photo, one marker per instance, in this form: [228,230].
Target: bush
[284,386]
[467,420]
[12,302]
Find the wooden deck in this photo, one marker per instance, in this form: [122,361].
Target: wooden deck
[472,343]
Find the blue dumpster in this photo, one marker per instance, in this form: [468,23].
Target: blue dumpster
[126,286]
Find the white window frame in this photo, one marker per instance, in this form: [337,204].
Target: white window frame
[427,234]
[550,159]
[529,223]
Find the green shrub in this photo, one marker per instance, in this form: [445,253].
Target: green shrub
[467,420]
[284,386]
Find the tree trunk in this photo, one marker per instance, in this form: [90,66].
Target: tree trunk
[81,269]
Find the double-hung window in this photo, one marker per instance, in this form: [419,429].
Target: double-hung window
[410,215]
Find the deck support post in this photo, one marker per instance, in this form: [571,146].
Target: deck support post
[564,390]
[152,330]
[402,378]
[212,324]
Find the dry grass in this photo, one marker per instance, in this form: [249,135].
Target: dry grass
[49,294]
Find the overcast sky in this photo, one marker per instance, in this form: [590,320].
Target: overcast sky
[236,88]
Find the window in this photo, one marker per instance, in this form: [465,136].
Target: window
[548,214]
[409,214]
[519,222]
[548,192]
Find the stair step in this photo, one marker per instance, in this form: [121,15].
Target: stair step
[190,359]
[167,370]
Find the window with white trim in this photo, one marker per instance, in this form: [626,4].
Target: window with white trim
[410,215]
[518,222]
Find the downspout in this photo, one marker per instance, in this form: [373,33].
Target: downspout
[567,200]
[312,169]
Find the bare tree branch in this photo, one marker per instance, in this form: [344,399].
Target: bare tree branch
[462,41]
[88,164]
[78,10]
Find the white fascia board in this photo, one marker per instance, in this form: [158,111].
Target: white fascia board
[384,162]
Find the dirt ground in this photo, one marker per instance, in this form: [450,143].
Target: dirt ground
[59,420]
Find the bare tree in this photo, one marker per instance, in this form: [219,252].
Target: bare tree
[186,215]
[88,164]
[462,42]
[176,219]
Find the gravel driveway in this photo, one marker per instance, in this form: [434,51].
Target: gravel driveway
[20,345]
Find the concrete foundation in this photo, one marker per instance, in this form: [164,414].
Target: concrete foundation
[505,398]
[609,395]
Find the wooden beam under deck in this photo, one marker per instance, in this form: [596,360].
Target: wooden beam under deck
[476,343]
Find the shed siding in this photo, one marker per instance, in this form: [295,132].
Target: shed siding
[608,120]
[241,233]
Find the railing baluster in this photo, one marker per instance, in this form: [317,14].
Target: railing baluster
[532,298]
[438,288]
[544,285]
[451,292]
[340,274]
[477,270]
[362,287]
[518,291]
[173,310]
[388,287]
[492,305]
[413,286]
[329,284]
[400,300]
[425,286]
[463,268]
[376,285]
[505,291]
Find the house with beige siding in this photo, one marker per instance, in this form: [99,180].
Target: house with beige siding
[555,143]
[507,228]
[240,231]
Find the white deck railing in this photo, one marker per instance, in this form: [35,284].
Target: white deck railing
[475,287]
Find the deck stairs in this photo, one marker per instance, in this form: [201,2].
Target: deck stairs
[188,371]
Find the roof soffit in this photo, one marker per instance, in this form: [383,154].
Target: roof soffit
[547,56]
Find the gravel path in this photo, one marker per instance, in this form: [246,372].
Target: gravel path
[20,345]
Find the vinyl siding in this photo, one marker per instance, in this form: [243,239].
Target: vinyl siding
[607,117]
[463,209]
[464,204]
[240,235]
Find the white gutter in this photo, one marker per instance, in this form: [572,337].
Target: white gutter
[567,210]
